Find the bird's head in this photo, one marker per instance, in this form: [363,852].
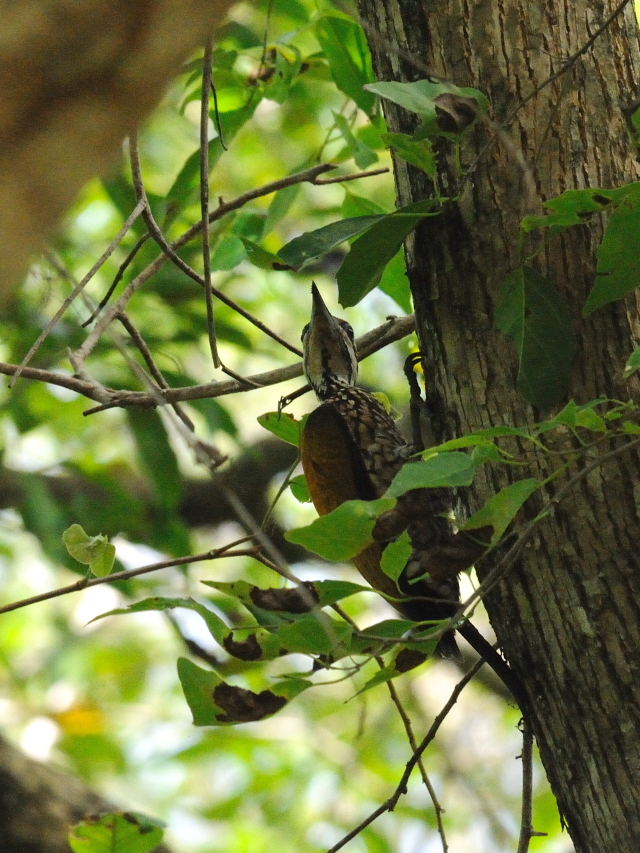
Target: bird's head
[329,349]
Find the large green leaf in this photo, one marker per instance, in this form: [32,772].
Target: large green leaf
[424,97]
[618,271]
[419,153]
[214,623]
[500,510]
[345,46]
[118,832]
[575,207]
[214,702]
[449,469]
[362,154]
[283,425]
[536,317]
[304,249]
[343,533]
[363,267]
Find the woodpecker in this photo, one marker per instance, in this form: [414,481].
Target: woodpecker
[351,449]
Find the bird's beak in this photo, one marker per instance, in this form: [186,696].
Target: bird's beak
[322,323]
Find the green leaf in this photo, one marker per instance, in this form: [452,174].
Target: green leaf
[345,46]
[395,283]
[419,153]
[536,317]
[421,97]
[448,469]
[575,207]
[306,248]
[395,556]
[283,425]
[198,686]
[118,832]
[389,629]
[315,634]
[363,267]
[214,702]
[229,252]
[618,271]
[575,416]
[330,591]
[93,551]
[501,509]
[356,205]
[362,154]
[280,204]
[217,628]
[633,363]
[259,257]
[300,489]
[343,533]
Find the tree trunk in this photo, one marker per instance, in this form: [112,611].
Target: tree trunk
[568,617]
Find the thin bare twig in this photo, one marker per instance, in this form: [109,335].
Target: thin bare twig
[345,178]
[526,820]
[118,278]
[216,112]
[392,330]
[406,721]
[84,583]
[87,388]
[401,788]
[135,213]
[170,252]
[204,198]
[154,370]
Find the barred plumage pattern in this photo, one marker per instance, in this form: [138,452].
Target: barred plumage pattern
[380,452]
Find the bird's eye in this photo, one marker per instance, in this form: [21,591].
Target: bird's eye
[348,328]
[304,332]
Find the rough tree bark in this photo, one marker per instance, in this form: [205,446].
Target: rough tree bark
[568,617]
